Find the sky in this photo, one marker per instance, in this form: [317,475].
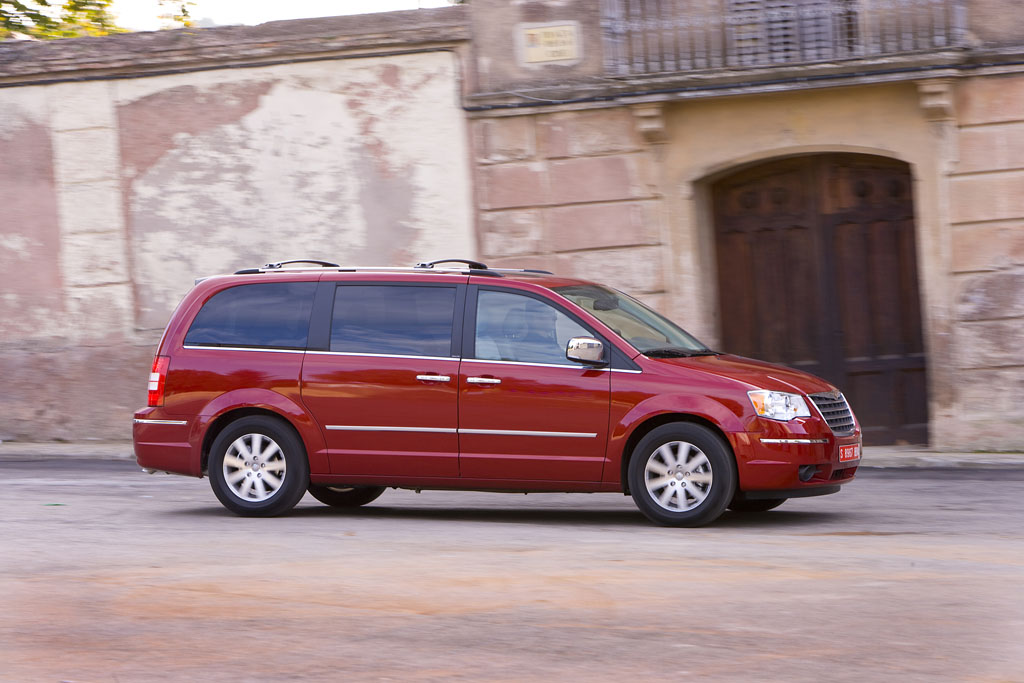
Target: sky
[143,15]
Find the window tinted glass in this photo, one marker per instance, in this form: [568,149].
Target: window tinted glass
[400,320]
[521,328]
[634,322]
[267,315]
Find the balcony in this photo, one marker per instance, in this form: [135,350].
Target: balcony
[650,37]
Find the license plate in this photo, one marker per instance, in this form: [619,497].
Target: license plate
[848,453]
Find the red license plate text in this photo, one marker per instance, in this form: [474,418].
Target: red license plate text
[848,453]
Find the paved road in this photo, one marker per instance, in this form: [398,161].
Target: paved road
[108,574]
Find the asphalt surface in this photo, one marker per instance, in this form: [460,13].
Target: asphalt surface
[108,574]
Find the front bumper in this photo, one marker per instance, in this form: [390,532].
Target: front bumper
[786,461]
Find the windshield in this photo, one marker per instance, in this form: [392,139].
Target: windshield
[652,334]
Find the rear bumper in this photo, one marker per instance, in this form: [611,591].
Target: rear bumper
[161,442]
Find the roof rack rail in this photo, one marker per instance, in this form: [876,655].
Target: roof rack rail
[477,265]
[326,264]
[473,265]
[280,264]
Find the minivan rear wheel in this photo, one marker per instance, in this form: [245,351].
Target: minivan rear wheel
[682,474]
[258,467]
[345,496]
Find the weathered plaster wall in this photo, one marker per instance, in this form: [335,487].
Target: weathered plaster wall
[357,161]
[67,351]
[116,194]
[30,305]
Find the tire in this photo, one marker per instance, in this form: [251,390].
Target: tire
[682,474]
[345,496]
[756,505]
[258,467]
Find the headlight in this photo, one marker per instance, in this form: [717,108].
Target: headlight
[778,405]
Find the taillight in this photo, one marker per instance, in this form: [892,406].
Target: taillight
[156,380]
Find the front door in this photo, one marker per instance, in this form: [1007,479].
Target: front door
[817,269]
[386,391]
[525,411]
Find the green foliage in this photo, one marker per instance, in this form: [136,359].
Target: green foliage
[177,13]
[46,19]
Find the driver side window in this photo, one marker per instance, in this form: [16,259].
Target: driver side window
[513,327]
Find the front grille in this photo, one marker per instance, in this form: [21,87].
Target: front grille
[835,410]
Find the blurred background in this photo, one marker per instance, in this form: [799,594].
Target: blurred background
[835,185]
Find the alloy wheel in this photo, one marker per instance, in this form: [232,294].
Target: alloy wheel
[254,467]
[678,476]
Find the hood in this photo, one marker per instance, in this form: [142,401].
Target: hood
[755,374]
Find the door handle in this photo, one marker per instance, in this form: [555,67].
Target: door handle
[434,378]
[483,380]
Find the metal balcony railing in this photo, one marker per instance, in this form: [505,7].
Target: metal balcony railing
[659,36]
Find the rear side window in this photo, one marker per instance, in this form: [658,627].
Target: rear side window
[393,319]
[274,315]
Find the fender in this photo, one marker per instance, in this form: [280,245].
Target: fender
[711,409]
[721,413]
[288,407]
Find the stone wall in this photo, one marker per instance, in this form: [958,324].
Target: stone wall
[583,193]
[119,190]
[995,23]
[589,176]
[130,165]
[987,213]
[498,50]
[576,193]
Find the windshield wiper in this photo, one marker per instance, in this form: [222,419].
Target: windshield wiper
[678,352]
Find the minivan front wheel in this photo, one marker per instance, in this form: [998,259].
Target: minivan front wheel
[682,474]
[258,467]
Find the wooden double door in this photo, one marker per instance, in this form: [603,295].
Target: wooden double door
[817,269]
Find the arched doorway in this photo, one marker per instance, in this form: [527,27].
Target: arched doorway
[817,269]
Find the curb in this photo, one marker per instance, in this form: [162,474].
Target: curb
[18,450]
[883,457]
[876,457]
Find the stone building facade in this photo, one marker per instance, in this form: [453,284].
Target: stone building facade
[834,185]
[831,185]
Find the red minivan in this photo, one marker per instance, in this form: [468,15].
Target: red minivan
[343,381]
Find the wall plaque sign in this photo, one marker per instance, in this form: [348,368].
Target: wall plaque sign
[553,42]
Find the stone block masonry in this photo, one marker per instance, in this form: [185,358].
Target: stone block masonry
[987,212]
[576,192]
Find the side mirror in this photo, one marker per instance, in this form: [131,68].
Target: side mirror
[585,350]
